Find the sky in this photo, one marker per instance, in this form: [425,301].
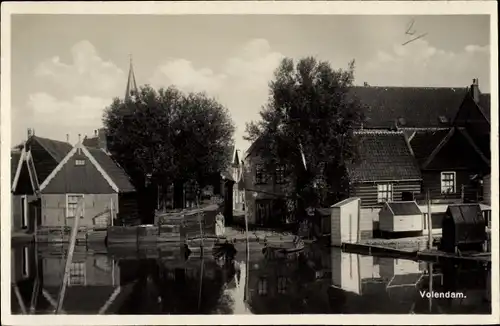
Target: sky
[66,69]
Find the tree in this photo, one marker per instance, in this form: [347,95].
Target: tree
[165,136]
[311,116]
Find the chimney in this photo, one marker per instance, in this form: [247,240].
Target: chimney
[67,138]
[30,132]
[474,89]
[95,133]
[102,140]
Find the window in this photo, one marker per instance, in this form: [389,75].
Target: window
[77,273]
[262,286]
[74,206]
[282,285]
[448,182]
[280,174]
[384,192]
[260,174]
[79,162]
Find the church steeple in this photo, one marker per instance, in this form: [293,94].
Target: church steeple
[131,84]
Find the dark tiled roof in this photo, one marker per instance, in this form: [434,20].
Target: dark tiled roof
[15,156]
[91,142]
[404,208]
[424,142]
[115,172]
[57,149]
[383,156]
[417,107]
[484,104]
[466,213]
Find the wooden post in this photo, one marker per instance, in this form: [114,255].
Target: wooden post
[429,219]
[111,208]
[463,193]
[431,276]
[69,259]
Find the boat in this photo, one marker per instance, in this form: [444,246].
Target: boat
[284,245]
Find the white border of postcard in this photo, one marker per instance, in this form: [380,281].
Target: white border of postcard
[241,7]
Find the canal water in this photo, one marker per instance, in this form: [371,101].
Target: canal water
[161,280]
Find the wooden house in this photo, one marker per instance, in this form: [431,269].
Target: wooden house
[30,167]
[264,198]
[440,123]
[384,171]
[89,181]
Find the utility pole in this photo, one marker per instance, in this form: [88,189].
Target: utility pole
[429,219]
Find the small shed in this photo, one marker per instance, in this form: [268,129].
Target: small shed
[402,216]
[463,228]
[345,221]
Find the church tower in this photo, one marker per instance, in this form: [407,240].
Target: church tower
[131,83]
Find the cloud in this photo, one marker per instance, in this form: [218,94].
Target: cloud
[80,115]
[87,73]
[81,90]
[420,64]
[241,84]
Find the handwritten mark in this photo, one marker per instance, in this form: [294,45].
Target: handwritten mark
[411,32]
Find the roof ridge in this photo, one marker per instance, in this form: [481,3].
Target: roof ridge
[413,87]
[379,131]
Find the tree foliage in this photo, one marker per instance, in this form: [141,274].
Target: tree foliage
[309,108]
[169,135]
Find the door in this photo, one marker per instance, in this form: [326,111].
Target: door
[263,212]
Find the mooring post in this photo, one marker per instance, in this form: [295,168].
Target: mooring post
[69,259]
[429,219]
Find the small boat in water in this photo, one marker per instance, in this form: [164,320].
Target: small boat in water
[284,244]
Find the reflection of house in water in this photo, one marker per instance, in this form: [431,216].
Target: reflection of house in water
[349,270]
[192,286]
[23,273]
[292,285]
[93,280]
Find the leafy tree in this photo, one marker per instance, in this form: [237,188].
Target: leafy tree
[164,136]
[309,111]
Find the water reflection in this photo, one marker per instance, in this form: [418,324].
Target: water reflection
[160,280]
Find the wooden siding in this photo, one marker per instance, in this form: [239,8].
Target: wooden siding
[54,209]
[128,209]
[388,222]
[81,179]
[368,191]
[432,182]
[487,189]
[44,162]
